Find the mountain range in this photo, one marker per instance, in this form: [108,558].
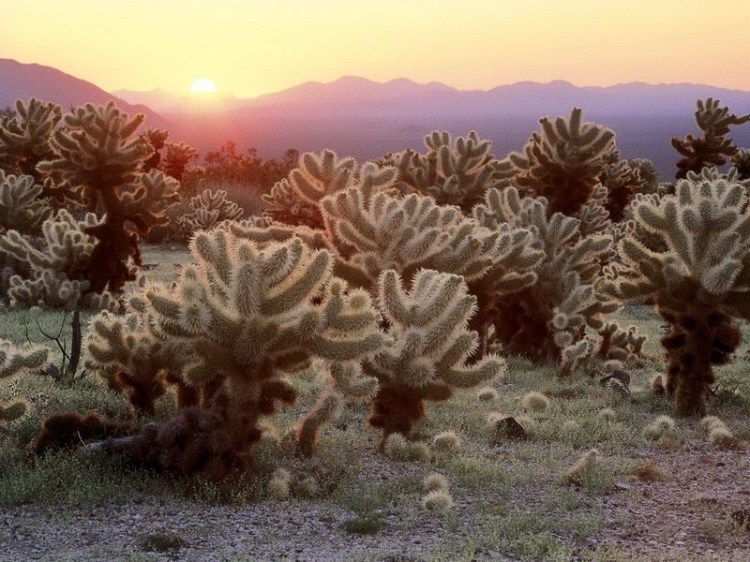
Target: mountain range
[366,119]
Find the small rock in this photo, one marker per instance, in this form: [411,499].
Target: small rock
[511,428]
[622,486]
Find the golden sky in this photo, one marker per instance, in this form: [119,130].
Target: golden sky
[251,47]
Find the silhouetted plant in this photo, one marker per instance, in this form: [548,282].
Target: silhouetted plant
[713,148]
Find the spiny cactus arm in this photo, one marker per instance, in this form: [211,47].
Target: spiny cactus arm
[490,367]
[14,244]
[712,149]
[14,361]
[573,355]
[374,179]
[311,275]
[177,159]
[94,150]
[21,205]
[275,232]
[467,249]
[346,380]
[24,138]
[321,174]
[283,205]
[146,204]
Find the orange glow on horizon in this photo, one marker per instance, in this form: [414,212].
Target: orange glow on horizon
[255,47]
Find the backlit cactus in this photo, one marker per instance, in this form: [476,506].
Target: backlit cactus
[295,199]
[209,210]
[713,148]
[247,316]
[562,162]
[131,355]
[691,253]
[58,266]
[22,207]
[432,344]
[24,137]
[549,317]
[14,361]
[453,171]
[373,234]
[99,156]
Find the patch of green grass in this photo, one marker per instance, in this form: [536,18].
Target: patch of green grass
[73,478]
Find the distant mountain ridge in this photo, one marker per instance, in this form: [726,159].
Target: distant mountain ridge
[24,81]
[366,119]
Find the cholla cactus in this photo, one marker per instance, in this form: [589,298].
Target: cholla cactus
[453,171]
[432,345]
[157,138]
[623,180]
[384,232]
[713,148]
[130,355]
[97,153]
[13,362]
[294,200]
[209,210]
[346,381]
[177,159]
[58,267]
[563,162]
[24,137]
[22,207]
[246,317]
[548,318]
[741,161]
[699,275]
[285,206]
[621,345]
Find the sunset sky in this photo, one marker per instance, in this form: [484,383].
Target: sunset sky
[251,47]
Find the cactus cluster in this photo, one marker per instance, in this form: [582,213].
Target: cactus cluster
[691,254]
[453,171]
[294,200]
[550,315]
[91,157]
[57,267]
[209,209]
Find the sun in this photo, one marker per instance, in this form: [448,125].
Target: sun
[203,86]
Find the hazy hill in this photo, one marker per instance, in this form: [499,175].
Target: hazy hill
[366,119]
[23,81]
